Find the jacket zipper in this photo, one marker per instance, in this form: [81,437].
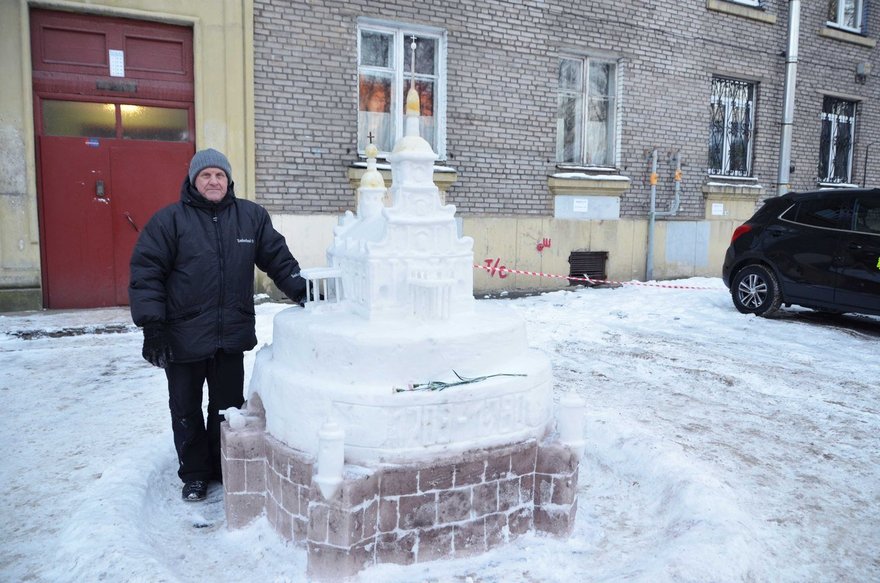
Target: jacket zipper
[222,282]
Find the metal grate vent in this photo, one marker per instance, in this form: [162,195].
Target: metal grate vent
[591,263]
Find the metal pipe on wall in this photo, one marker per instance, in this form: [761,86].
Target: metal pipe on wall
[865,169]
[652,213]
[676,201]
[783,179]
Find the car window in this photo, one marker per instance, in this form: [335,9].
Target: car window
[827,213]
[867,215]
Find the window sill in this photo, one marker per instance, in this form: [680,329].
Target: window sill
[750,12]
[848,37]
[586,169]
[837,185]
[444,176]
[717,188]
[583,184]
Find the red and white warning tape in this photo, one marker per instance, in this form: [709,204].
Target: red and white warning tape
[503,271]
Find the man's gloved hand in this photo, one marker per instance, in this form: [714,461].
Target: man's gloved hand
[295,288]
[157,348]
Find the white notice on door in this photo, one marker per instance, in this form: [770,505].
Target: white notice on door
[580,205]
[117,63]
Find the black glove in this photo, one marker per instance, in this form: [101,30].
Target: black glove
[157,348]
[294,287]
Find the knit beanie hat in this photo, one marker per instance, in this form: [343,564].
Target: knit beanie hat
[209,158]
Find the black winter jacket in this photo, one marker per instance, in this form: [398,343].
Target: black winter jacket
[192,271]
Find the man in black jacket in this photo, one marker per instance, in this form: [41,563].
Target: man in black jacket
[192,291]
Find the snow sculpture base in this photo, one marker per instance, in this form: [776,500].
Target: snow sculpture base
[450,507]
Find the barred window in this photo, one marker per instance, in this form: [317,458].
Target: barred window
[384,75]
[732,112]
[846,14]
[835,147]
[586,112]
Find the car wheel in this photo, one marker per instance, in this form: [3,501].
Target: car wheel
[756,291]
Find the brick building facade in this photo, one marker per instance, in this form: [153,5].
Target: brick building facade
[502,62]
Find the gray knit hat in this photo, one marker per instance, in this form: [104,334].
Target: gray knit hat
[209,158]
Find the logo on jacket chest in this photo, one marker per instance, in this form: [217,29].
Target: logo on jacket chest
[244,241]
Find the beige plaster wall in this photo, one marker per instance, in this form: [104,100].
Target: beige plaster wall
[223,55]
[513,242]
[19,235]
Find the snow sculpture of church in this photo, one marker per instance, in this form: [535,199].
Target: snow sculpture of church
[406,259]
[396,419]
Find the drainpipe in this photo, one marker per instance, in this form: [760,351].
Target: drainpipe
[649,267]
[783,179]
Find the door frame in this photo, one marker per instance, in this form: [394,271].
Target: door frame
[53,78]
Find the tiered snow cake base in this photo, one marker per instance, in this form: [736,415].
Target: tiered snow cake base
[327,365]
[428,474]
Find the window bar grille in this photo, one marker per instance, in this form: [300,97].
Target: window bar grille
[835,148]
[730,142]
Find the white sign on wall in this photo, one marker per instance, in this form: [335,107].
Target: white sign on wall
[580,205]
[117,63]
[717,209]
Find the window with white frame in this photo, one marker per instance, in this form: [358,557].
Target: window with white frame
[385,72]
[836,142]
[732,111]
[586,117]
[846,14]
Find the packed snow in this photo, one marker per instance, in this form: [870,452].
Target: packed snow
[720,447]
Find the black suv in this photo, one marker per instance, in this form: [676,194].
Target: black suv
[817,249]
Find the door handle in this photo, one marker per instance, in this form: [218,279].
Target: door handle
[131,222]
[854,246]
[99,189]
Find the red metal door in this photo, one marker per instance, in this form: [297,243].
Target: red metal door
[97,197]
[78,249]
[145,176]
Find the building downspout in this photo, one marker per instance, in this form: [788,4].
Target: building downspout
[783,180]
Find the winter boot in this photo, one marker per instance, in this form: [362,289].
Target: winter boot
[195,490]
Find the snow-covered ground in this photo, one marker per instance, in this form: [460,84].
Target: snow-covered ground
[721,447]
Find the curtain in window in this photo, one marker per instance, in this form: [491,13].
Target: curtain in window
[375,90]
[599,115]
[835,147]
[585,114]
[385,73]
[846,13]
[569,116]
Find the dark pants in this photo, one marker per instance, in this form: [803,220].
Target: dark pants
[198,445]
